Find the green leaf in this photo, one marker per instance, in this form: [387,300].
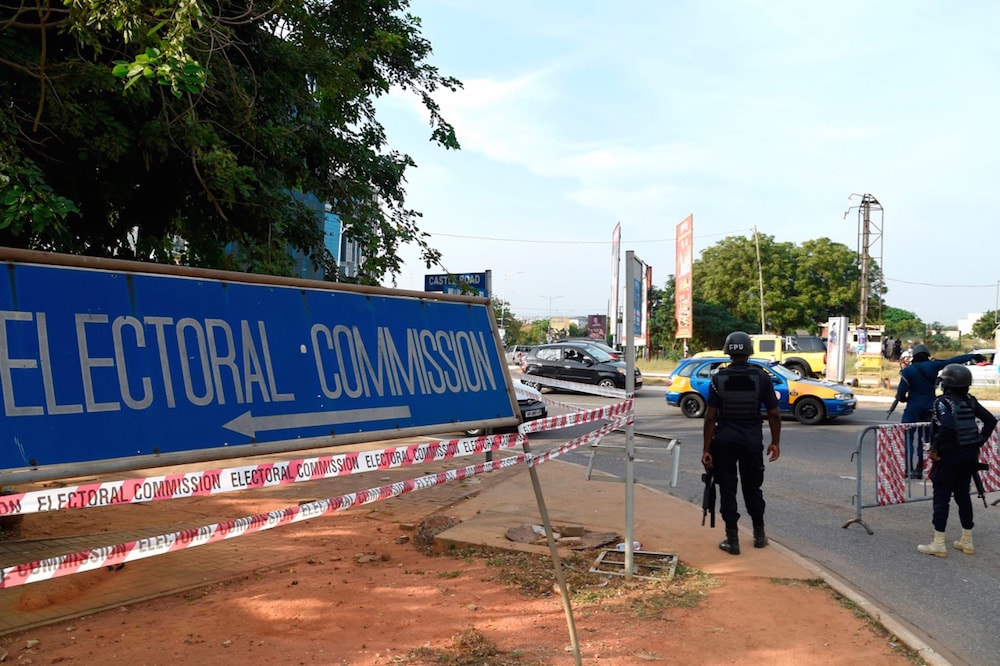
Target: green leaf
[156,28]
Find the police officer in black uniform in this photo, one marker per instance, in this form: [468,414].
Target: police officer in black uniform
[733,438]
[917,382]
[955,442]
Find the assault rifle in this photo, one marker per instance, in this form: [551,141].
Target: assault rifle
[980,490]
[708,498]
[892,408]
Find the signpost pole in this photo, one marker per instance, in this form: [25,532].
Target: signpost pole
[633,277]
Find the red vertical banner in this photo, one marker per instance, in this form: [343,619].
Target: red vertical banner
[683,296]
[616,241]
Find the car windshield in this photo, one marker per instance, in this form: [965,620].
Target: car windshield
[782,371]
[807,343]
[599,354]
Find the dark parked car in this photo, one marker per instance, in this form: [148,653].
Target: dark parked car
[580,362]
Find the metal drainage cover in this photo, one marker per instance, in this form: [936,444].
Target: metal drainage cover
[645,564]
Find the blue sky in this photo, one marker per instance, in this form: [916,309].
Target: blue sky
[579,115]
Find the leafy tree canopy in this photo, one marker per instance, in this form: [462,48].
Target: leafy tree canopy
[902,324]
[803,285]
[712,323]
[124,126]
[985,327]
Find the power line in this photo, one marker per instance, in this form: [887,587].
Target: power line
[575,242]
[991,285]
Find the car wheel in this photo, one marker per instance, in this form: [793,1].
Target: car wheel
[809,411]
[692,406]
[799,369]
[475,432]
[607,382]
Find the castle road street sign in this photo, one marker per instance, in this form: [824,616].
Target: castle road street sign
[478,284]
[110,360]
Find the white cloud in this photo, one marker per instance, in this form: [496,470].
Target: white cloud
[755,113]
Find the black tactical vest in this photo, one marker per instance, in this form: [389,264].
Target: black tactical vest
[966,429]
[739,390]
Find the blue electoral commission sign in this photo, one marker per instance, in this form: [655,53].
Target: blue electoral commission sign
[102,364]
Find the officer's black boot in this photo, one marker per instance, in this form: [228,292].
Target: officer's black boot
[759,538]
[732,543]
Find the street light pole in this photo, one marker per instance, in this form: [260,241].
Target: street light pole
[550,298]
[503,310]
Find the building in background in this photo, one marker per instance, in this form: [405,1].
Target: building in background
[345,252]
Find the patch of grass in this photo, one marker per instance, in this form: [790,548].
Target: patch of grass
[533,574]
[687,590]
[449,574]
[801,582]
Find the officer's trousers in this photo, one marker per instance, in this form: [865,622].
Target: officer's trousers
[952,476]
[745,458]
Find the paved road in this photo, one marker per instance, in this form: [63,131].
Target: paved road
[953,602]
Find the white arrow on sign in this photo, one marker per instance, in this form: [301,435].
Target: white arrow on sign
[249,425]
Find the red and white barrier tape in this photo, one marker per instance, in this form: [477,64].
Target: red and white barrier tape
[21,574]
[577,418]
[593,436]
[210,482]
[290,472]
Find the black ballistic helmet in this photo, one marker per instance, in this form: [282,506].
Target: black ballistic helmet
[921,349]
[738,343]
[955,375]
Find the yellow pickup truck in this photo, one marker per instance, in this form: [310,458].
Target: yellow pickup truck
[802,354]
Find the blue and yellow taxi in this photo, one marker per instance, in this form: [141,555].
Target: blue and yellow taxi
[810,401]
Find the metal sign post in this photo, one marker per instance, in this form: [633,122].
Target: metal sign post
[633,325]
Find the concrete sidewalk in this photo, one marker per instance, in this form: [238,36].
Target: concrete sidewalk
[487,507]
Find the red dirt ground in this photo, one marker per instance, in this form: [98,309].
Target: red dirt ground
[374,597]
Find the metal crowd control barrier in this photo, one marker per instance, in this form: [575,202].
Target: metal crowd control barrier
[673,447]
[893,482]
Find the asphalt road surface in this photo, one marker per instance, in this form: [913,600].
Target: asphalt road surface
[953,602]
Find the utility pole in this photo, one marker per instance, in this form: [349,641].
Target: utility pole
[760,279]
[869,238]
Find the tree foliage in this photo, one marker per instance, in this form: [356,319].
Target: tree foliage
[937,340]
[902,324]
[986,326]
[124,126]
[803,285]
[712,323]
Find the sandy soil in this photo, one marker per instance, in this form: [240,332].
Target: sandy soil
[375,597]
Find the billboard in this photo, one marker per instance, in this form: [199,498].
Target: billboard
[122,360]
[597,327]
[683,296]
[616,240]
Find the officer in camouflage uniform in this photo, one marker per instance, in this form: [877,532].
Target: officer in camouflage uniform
[955,442]
[733,439]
